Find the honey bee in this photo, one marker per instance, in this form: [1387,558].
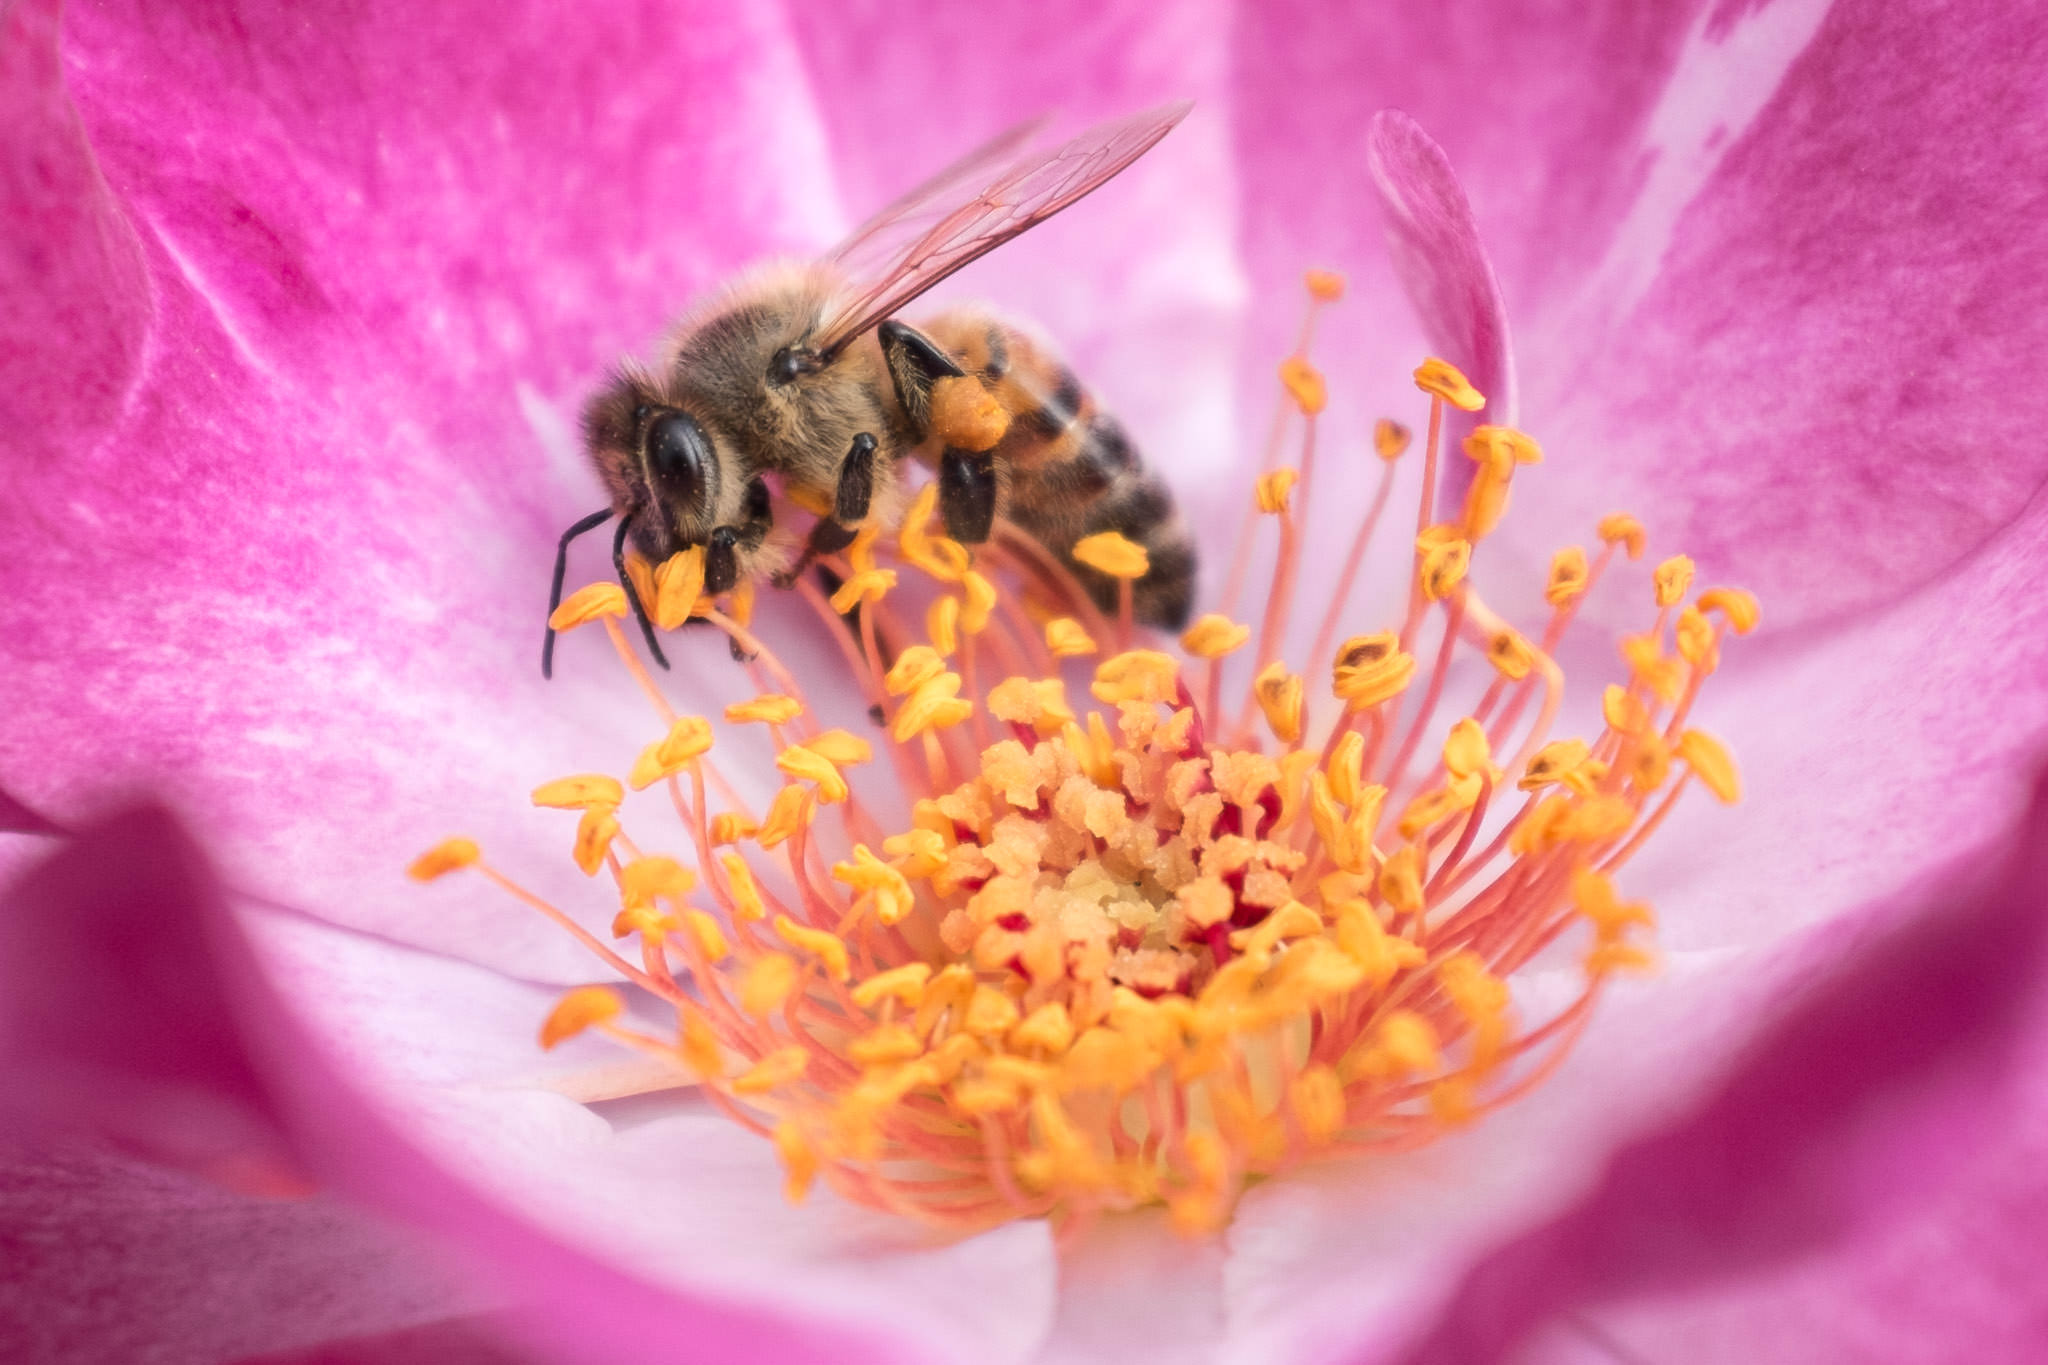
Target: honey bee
[799,379]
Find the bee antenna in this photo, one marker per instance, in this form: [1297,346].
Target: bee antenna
[632,594]
[589,523]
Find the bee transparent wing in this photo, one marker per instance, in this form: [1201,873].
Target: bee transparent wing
[973,207]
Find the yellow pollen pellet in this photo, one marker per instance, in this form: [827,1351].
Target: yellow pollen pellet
[577,1011]
[1143,675]
[769,709]
[1279,695]
[965,415]
[1443,556]
[768,981]
[1711,763]
[644,879]
[1390,439]
[1205,901]
[1511,655]
[1214,636]
[443,858]
[587,604]
[819,943]
[1568,576]
[1441,379]
[594,835]
[1110,553]
[1273,490]
[1304,384]
[871,586]
[1066,638]
[789,812]
[1324,286]
[904,984]
[942,624]
[678,583]
[1623,713]
[1401,880]
[916,666]
[935,705]
[980,602]
[579,793]
[1735,604]
[1627,531]
[1672,578]
[1371,669]
[784,1066]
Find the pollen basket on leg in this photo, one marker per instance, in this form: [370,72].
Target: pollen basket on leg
[1165,917]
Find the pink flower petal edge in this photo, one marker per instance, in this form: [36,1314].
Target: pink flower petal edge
[130,990]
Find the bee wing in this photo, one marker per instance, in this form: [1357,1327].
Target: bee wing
[973,207]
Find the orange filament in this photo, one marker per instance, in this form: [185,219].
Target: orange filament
[1135,946]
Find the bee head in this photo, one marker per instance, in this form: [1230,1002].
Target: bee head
[658,461]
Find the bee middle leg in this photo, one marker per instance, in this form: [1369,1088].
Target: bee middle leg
[830,535]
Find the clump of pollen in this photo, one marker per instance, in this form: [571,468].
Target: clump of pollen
[1143,938]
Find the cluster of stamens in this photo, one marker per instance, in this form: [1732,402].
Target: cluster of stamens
[1132,949]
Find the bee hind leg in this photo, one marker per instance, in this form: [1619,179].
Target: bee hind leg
[967,495]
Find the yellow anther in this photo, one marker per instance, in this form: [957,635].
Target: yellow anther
[577,1011]
[916,666]
[688,740]
[1552,762]
[1696,642]
[705,932]
[965,415]
[1442,556]
[594,835]
[587,604]
[1407,1043]
[1619,957]
[989,1013]
[1568,576]
[1371,669]
[871,586]
[1627,531]
[819,943]
[1711,763]
[1048,1027]
[1511,655]
[1324,286]
[1596,819]
[861,553]
[579,793]
[640,574]
[1344,767]
[903,984]
[919,852]
[769,709]
[1110,553]
[1436,805]
[1066,639]
[980,602]
[1672,578]
[1205,902]
[784,1066]
[1499,449]
[885,1046]
[699,1046]
[1623,713]
[443,858]
[678,583]
[1735,604]
[1466,750]
[1317,1098]
[644,879]
[1390,439]
[808,766]
[842,747]
[1380,955]
[1040,703]
[1593,895]
[746,896]
[1143,675]
[1486,502]
[1652,762]
[1279,696]
[1441,379]
[1649,665]
[648,923]
[1291,921]
[740,601]
[1214,636]
[1304,384]
[942,624]
[789,812]
[799,1161]
[935,705]
[768,981]
[1401,880]
[871,876]
[1273,490]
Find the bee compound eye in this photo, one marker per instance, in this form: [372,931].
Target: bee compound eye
[678,455]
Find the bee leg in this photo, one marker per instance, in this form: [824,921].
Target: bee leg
[589,523]
[830,535]
[915,363]
[967,494]
[633,594]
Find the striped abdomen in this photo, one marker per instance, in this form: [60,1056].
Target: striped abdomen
[1066,469]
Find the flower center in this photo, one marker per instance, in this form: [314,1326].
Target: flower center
[1147,947]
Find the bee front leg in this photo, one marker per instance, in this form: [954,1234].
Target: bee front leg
[721,552]
[830,535]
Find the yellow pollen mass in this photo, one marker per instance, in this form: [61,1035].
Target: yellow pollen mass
[1148,944]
